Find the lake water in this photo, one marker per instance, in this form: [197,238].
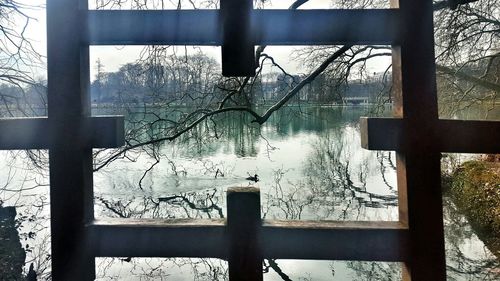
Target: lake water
[310,166]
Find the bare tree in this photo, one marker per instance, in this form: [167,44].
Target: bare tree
[468,54]
[18,57]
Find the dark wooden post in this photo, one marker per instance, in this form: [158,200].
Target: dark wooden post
[238,56]
[418,164]
[244,224]
[70,153]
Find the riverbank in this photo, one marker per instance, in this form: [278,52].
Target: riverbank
[475,189]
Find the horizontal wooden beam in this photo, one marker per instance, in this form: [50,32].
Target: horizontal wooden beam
[326,27]
[457,136]
[168,27]
[201,238]
[322,240]
[378,241]
[269,27]
[33,133]
[24,133]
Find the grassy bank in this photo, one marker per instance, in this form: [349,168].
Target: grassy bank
[475,189]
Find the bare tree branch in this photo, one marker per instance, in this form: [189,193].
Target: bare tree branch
[302,83]
[460,74]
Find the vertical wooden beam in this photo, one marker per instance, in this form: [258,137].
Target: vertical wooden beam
[238,55]
[244,224]
[418,168]
[70,160]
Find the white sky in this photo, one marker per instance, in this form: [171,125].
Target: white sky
[112,57]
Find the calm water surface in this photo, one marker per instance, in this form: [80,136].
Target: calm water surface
[310,166]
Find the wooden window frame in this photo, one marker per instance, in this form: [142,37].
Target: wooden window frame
[416,134]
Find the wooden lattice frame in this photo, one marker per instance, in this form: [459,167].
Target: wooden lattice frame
[416,134]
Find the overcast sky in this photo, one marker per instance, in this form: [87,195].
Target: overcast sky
[112,57]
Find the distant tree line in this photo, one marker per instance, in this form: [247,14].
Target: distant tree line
[181,81]
[27,100]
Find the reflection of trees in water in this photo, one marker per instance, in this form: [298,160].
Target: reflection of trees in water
[374,271]
[286,202]
[331,185]
[334,185]
[24,186]
[192,205]
[462,261]
[233,132]
[272,264]
[206,204]
[340,181]
[161,269]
